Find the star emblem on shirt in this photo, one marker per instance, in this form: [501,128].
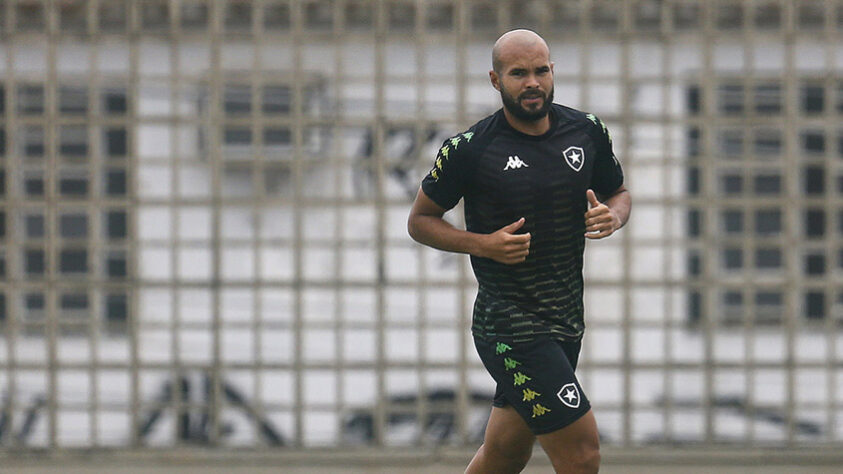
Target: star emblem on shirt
[574,156]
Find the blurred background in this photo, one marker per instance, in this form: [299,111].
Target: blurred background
[203,209]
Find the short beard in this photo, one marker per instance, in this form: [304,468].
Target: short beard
[514,107]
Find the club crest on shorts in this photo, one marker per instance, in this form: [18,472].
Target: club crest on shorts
[574,156]
[569,394]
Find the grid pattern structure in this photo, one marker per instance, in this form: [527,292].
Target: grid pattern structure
[203,205]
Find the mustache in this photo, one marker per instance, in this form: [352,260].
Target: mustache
[532,95]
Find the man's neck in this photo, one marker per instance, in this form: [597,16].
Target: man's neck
[538,127]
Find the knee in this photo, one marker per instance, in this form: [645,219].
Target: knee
[514,455]
[583,458]
[586,459]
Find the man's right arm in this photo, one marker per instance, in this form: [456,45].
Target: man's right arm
[427,226]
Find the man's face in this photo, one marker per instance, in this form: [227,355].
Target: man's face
[526,84]
[530,105]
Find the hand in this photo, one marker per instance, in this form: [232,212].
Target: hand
[505,246]
[600,221]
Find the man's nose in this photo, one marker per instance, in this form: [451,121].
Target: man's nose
[532,82]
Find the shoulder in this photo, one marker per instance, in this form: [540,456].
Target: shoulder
[579,117]
[472,140]
[585,121]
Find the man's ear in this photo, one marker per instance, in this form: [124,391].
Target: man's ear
[493,76]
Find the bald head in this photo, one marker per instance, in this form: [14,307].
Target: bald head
[514,43]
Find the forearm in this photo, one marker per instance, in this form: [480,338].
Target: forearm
[435,232]
[620,204]
[426,226]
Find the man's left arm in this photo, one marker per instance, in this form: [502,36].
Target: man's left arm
[604,218]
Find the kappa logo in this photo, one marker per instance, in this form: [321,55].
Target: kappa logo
[569,394]
[514,162]
[574,156]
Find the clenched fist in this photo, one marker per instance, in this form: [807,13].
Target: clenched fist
[600,221]
[505,246]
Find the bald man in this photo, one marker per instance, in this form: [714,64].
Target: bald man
[537,179]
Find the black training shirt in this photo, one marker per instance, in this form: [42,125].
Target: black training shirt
[504,175]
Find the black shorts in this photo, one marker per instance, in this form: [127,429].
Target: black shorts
[537,379]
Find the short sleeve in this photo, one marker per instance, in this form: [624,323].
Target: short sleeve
[607,174]
[444,184]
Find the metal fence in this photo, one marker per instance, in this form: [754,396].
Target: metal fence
[203,205]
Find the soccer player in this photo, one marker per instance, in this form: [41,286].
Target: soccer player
[537,179]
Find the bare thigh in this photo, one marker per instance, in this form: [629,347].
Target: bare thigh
[507,445]
[506,426]
[572,445]
[507,429]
